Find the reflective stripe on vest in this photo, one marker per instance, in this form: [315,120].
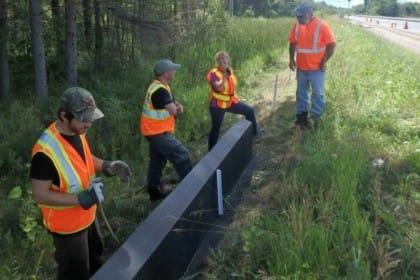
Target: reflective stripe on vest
[228,95]
[148,109]
[61,159]
[74,176]
[315,48]
[156,121]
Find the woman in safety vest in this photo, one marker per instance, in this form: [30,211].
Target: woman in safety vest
[223,98]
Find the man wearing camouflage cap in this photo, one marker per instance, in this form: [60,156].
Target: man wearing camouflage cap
[65,188]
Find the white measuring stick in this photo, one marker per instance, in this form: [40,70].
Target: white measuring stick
[219,192]
[275,92]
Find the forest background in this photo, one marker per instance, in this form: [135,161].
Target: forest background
[109,47]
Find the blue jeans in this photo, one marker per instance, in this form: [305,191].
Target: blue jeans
[164,147]
[218,114]
[315,79]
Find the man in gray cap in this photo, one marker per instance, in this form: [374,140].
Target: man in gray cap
[65,188]
[157,124]
[313,44]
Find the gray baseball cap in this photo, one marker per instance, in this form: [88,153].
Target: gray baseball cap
[81,104]
[303,9]
[164,65]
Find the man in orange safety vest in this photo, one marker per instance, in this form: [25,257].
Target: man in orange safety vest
[312,43]
[65,188]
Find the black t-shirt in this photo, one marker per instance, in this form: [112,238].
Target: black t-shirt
[161,97]
[42,167]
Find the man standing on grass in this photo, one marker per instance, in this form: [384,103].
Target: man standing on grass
[313,43]
[157,124]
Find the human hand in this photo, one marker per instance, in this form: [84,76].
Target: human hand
[117,167]
[292,65]
[323,66]
[93,194]
[179,108]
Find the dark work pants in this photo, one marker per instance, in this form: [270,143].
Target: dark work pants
[78,255]
[164,147]
[218,114]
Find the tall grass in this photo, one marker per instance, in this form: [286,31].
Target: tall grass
[26,247]
[336,215]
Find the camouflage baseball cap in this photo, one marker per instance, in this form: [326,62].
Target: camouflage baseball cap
[81,104]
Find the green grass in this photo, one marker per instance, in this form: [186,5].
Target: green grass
[332,214]
[337,216]
[26,247]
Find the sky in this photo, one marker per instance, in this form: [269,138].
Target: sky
[345,3]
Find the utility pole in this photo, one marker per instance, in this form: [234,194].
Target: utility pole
[366,2]
[349,8]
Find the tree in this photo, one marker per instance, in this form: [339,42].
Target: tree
[98,36]
[87,20]
[71,46]
[57,21]
[4,65]
[38,51]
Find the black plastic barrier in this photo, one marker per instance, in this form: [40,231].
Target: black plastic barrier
[164,244]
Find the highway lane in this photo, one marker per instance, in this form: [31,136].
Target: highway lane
[412,24]
[393,30]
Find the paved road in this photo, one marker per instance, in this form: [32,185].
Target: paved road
[412,24]
[393,30]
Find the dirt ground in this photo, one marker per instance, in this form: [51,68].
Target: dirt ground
[273,98]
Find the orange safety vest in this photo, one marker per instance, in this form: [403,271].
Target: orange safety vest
[156,121]
[227,95]
[311,40]
[74,175]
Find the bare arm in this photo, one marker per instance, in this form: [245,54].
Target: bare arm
[329,51]
[42,194]
[179,108]
[171,108]
[218,85]
[292,62]
[98,163]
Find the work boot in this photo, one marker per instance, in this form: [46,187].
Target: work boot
[302,120]
[156,194]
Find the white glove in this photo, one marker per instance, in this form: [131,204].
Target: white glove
[98,187]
